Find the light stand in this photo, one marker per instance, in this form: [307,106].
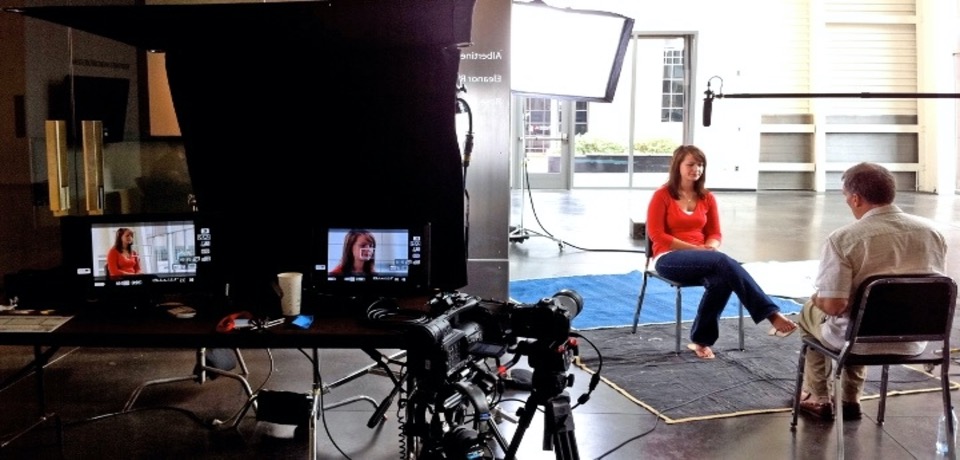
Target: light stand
[519,233]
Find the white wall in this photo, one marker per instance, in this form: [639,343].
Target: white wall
[803,46]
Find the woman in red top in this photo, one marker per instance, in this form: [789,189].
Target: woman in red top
[359,254]
[121,258]
[683,224]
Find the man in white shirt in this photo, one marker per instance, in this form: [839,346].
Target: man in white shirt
[883,240]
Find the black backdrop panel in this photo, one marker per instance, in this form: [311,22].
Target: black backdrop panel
[298,115]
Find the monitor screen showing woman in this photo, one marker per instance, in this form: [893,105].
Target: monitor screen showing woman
[369,253]
[143,248]
[372,261]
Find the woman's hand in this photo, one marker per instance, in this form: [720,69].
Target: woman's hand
[711,245]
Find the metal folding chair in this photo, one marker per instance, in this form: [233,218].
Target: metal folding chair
[650,271]
[892,309]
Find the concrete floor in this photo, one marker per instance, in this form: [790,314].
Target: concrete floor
[89,386]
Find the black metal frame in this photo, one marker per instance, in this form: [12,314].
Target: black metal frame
[649,271]
[891,309]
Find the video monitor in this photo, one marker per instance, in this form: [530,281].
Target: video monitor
[137,258]
[372,261]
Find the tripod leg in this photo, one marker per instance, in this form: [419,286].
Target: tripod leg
[558,428]
[526,416]
[497,435]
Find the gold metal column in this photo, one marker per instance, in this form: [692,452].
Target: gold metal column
[59,181]
[93,165]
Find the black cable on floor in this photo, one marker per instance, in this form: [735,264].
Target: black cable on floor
[658,416]
[190,414]
[629,440]
[323,414]
[561,242]
[595,378]
[326,427]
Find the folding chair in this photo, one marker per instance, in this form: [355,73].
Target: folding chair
[891,309]
[651,271]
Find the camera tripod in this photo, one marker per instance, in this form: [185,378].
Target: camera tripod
[558,428]
[558,434]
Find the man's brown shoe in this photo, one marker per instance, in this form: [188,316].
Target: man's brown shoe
[851,411]
[811,405]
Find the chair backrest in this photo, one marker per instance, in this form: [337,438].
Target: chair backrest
[648,244]
[648,247]
[903,308]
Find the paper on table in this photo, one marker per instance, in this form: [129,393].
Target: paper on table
[31,323]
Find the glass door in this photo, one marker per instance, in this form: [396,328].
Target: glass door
[626,143]
[663,115]
[125,167]
[629,142]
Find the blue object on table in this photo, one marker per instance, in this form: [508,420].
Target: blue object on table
[302,321]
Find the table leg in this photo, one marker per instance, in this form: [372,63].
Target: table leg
[40,359]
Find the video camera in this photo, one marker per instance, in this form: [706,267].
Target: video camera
[452,404]
[467,328]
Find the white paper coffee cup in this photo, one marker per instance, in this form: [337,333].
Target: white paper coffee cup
[290,284]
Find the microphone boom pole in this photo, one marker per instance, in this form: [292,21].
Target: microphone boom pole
[863,95]
[709,95]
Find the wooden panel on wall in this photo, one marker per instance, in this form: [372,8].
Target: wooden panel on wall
[906,181]
[786,148]
[785,181]
[874,58]
[876,147]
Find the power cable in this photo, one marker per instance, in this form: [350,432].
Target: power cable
[464,107]
[547,234]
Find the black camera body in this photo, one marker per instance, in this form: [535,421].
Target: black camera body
[467,328]
[548,320]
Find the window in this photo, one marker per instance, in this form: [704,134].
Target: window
[580,118]
[539,122]
[672,103]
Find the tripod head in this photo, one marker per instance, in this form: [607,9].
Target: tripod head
[549,382]
[550,366]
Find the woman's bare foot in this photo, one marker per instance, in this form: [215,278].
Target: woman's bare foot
[702,351]
[782,326]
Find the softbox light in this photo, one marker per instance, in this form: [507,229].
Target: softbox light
[566,53]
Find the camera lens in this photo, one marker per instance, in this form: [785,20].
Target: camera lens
[569,300]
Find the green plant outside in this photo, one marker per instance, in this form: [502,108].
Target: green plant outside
[589,145]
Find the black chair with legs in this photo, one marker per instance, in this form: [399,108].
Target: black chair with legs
[891,309]
[650,271]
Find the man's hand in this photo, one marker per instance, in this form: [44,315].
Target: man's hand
[832,306]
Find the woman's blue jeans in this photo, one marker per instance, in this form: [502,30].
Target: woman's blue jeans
[720,276]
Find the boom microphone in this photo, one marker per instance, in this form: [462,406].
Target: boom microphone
[707,106]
